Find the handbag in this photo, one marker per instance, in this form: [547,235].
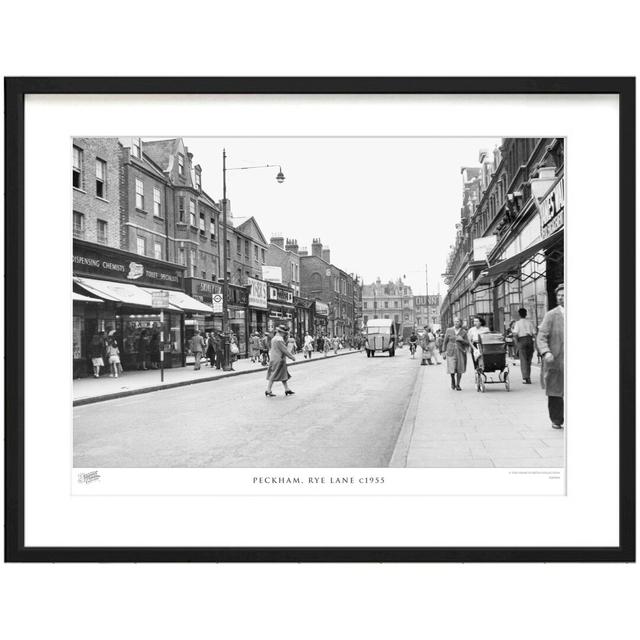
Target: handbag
[234,349]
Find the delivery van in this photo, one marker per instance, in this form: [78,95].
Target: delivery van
[380,336]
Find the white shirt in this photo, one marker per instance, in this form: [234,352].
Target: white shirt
[524,327]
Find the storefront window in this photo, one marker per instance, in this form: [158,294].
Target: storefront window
[147,327]
[237,324]
[78,337]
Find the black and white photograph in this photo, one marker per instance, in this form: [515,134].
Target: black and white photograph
[318,302]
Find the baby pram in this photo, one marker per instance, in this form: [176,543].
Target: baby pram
[492,359]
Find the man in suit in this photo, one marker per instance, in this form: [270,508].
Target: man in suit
[551,347]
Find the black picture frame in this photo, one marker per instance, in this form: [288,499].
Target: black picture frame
[15,91]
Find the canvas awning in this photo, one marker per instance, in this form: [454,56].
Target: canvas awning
[118,292]
[513,263]
[78,297]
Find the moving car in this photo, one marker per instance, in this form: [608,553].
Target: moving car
[380,336]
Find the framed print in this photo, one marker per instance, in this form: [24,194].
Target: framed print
[320,319]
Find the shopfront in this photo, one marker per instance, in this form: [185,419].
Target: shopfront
[526,271]
[303,321]
[205,292]
[280,306]
[321,318]
[119,286]
[258,317]
[238,316]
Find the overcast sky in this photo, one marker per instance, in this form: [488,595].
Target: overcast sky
[385,206]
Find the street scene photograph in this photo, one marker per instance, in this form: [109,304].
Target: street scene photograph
[295,302]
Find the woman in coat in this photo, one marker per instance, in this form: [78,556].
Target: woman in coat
[455,348]
[278,354]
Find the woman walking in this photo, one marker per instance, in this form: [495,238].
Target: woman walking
[455,347]
[254,342]
[479,327]
[308,346]
[326,345]
[95,351]
[277,371]
[113,354]
[291,344]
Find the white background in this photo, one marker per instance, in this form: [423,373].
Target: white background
[321,601]
[587,516]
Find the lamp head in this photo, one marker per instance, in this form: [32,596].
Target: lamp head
[280,177]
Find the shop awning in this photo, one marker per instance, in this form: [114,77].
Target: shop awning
[78,297]
[117,292]
[185,302]
[513,263]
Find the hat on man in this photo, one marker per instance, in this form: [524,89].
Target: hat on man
[282,328]
[560,287]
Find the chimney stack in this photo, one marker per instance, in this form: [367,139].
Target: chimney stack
[316,248]
[292,245]
[326,254]
[303,252]
[278,240]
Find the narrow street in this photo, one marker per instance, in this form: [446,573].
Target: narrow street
[346,412]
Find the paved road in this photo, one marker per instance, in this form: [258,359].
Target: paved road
[347,412]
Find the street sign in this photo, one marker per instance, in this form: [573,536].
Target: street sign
[160,299]
[217,302]
[167,347]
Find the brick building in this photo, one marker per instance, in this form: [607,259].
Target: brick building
[96,190]
[320,280]
[286,257]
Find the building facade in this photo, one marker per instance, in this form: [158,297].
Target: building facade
[389,300]
[508,251]
[332,288]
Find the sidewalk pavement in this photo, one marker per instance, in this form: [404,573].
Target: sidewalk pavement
[446,428]
[89,390]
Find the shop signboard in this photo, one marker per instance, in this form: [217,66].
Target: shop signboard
[482,247]
[552,211]
[107,263]
[257,293]
[272,274]
[160,299]
[322,309]
[280,294]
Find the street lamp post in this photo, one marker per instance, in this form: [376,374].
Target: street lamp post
[226,365]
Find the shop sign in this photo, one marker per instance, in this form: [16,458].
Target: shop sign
[552,211]
[272,274]
[424,301]
[257,293]
[112,264]
[322,309]
[202,290]
[482,247]
[280,295]
[160,299]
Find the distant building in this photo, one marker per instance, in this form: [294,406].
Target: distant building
[389,300]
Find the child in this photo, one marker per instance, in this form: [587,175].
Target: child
[113,354]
